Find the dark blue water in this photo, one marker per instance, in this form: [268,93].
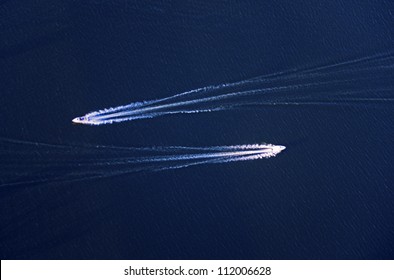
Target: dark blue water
[329,195]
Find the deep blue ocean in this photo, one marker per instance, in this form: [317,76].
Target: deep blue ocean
[329,195]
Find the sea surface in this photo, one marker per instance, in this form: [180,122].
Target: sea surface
[329,195]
